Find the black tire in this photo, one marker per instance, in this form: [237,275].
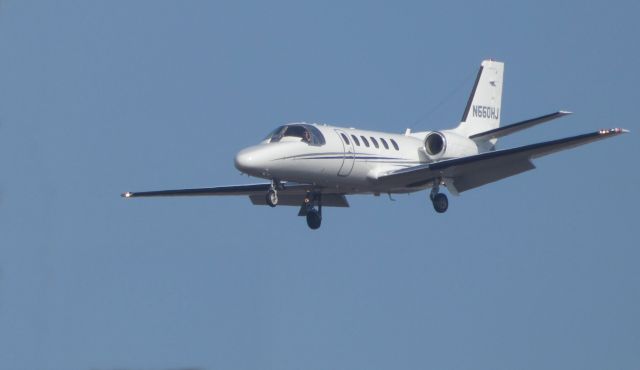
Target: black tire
[440,203]
[313,219]
[272,198]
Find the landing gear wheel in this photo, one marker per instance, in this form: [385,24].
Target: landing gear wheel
[440,202]
[272,198]
[314,219]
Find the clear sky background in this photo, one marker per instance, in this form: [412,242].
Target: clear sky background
[100,97]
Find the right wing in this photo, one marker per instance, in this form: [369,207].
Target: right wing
[220,190]
[289,194]
[477,170]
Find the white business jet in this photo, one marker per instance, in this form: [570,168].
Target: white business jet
[312,165]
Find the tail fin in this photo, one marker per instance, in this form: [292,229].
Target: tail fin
[483,107]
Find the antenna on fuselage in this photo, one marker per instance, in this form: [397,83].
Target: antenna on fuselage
[446,98]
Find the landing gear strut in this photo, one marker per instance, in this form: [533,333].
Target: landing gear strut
[272,194]
[439,200]
[314,215]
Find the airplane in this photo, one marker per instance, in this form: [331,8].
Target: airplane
[314,165]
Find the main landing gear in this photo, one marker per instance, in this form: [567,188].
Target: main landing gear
[311,207]
[439,200]
[313,213]
[314,219]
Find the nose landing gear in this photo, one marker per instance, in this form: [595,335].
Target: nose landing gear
[272,194]
[272,198]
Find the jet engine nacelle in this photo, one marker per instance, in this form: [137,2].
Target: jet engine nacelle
[440,145]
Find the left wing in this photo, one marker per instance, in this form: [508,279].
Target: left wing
[289,194]
[470,172]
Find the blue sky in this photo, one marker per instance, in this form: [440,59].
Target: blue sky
[96,98]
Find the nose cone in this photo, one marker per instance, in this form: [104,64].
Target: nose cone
[250,161]
[244,159]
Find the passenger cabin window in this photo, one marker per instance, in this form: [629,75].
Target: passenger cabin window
[297,132]
[384,143]
[375,142]
[355,140]
[345,138]
[364,140]
[395,145]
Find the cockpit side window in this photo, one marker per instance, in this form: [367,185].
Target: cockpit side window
[306,133]
[276,134]
[316,136]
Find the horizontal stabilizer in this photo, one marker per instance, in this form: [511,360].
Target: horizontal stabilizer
[515,127]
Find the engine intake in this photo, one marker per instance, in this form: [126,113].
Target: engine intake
[440,145]
[435,143]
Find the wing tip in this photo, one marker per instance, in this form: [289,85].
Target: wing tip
[613,131]
[126,194]
[564,112]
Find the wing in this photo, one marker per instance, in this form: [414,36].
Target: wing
[290,194]
[477,170]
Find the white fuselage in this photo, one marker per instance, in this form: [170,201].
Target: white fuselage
[350,166]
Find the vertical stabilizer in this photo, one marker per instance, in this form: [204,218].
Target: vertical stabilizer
[483,109]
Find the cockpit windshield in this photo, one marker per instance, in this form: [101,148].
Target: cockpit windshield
[297,132]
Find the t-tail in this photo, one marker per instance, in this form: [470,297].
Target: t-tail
[483,109]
